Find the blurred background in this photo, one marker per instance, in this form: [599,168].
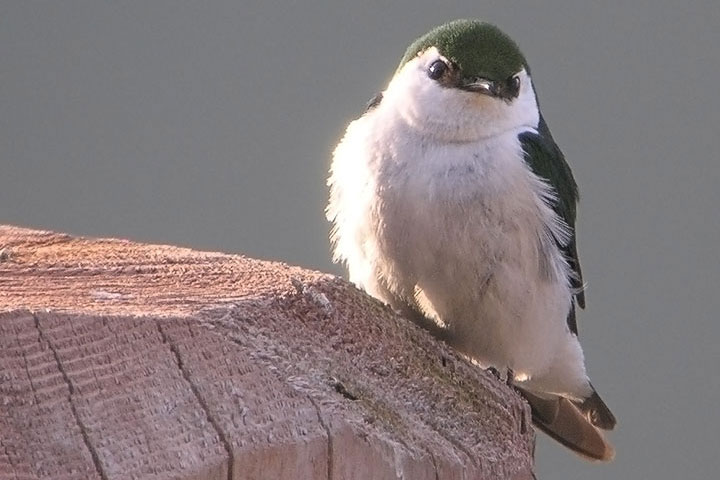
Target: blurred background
[211,124]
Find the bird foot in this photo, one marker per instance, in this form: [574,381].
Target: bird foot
[509,375]
[495,372]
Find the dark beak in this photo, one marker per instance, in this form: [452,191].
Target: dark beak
[506,90]
[480,85]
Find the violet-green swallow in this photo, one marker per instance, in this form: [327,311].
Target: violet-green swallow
[450,201]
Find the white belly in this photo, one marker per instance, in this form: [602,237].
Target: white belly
[462,237]
[460,231]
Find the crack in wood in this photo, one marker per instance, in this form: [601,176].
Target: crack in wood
[203,404]
[27,372]
[435,467]
[71,391]
[325,427]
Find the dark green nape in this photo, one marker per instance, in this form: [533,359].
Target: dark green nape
[480,49]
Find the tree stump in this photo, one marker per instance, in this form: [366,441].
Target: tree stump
[121,360]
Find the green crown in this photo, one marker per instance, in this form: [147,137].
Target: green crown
[480,49]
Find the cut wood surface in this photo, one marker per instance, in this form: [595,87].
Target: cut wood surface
[122,360]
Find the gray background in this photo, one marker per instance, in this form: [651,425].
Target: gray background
[210,124]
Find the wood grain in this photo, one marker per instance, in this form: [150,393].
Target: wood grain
[124,360]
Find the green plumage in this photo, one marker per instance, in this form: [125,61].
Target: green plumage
[480,49]
[547,162]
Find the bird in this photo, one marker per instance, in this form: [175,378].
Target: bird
[450,201]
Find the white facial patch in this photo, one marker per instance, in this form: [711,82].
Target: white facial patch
[452,114]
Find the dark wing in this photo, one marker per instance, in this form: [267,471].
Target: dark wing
[547,161]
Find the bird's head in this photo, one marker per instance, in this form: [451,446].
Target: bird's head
[463,81]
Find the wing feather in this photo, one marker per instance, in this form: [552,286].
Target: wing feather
[547,162]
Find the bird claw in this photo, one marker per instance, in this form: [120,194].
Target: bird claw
[510,379]
[509,375]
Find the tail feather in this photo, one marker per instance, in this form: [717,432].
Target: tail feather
[572,429]
[544,410]
[569,426]
[597,412]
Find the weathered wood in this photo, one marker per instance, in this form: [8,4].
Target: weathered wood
[121,360]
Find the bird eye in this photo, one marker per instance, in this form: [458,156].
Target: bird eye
[515,83]
[437,69]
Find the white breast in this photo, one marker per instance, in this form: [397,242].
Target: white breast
[463,232]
